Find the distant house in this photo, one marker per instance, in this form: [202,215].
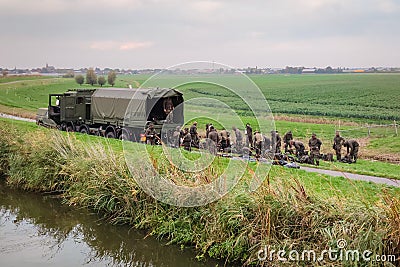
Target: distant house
[306,71]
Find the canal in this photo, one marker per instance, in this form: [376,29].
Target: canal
[38,230]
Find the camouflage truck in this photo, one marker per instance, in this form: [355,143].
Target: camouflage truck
[117,112]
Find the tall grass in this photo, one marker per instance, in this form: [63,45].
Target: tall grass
[281,214]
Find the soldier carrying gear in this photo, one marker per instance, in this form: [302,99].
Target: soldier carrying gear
[352,149]
[225,140]
[194,135]
[187,140]
[213,140]
[286,140]
[276,142]
[266,144]
[249,135]
[151,135]
[258,140]
[300,148]
[315,146]
[176,137]
[239,139]
[337,145]
[207,129]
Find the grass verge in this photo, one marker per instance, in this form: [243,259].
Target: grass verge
[291,210]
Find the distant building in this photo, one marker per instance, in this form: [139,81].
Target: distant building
[305,71]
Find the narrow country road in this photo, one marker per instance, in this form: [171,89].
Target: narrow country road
[353,176]
[8,116]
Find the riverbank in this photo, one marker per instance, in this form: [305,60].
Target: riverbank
[291,210]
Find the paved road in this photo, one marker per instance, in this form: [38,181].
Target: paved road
[8,116]
[353,176]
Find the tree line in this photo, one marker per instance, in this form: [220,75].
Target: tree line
[92,79]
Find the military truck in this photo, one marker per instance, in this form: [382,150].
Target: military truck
[117,112]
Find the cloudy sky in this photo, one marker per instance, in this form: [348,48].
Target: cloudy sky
[155,33]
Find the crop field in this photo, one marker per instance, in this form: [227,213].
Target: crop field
[366,97]
[369,97]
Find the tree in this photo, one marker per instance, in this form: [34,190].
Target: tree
[101,81]
[79,79]
[112,76]
[91,77]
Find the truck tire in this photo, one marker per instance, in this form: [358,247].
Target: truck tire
[110,134]
[84,129]
[124,136]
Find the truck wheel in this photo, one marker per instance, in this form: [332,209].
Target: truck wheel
[110,134]
[124,136]
[84,130]
[63,126]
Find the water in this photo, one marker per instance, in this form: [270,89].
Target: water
[37,230]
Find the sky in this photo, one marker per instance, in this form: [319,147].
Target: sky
[139,34]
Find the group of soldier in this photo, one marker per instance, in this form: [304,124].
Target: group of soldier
[260,144]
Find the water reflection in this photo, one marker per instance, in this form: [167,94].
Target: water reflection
[38,230]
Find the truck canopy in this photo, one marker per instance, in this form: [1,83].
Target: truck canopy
[141,105]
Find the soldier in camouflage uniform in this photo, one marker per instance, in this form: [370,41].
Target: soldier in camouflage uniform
[225,140]
[187,140]
[315,146]
[352,149]
[151,135]
[213,140]
[276,142]
[258,140]
[249,135]
[286,140]
[194,135]
[300,148]
[337,145]
[239,139]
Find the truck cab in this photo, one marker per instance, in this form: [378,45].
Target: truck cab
[71,108]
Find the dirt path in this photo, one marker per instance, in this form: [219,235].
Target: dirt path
[353,176]
[22,81]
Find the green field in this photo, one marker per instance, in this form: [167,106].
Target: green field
[372,97]
[369,97]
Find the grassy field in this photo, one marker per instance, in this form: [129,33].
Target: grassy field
[291,209]
[362,97]
[369,97]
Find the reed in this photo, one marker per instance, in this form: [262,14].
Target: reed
[284,213]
